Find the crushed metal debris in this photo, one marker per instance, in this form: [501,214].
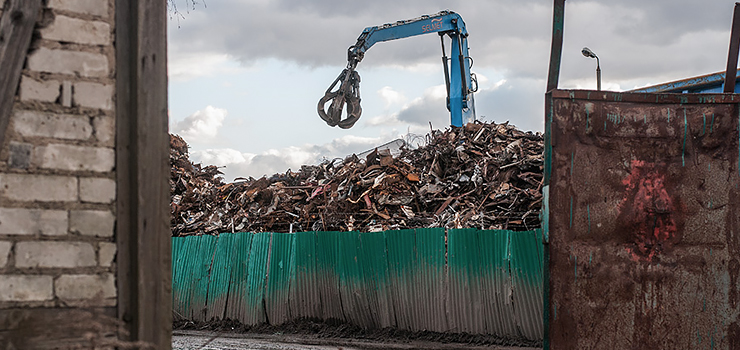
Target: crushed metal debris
[482,175]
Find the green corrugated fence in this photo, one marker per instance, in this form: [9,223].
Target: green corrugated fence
[466,280]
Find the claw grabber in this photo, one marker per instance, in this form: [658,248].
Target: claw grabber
[348,93]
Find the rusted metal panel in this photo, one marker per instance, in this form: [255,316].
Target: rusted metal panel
[642,221]
[556,47]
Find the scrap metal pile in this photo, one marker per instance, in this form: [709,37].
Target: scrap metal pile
[482,175]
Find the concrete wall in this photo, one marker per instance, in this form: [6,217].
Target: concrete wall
[57,176]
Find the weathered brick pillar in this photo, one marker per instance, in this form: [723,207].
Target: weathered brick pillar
[58,187]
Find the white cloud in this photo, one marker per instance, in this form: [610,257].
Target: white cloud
[222,157]
[498,84]
[184,66]
[513,99]
[419,112]
[203,124]
[235,164]
[391,97]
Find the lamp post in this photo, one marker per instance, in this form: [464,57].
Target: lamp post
[588,53]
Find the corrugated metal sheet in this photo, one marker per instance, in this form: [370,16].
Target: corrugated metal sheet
[374,260]
[644,199]
[237,305]
[429,282]
[401,258]
[199,300]
[327,264]
[178,270]
[526,277]
[278,278]
[305,300]
[190,276]
[351,282]
[220,278]
[424,279]
[496,283]
[464,268]
[256,278]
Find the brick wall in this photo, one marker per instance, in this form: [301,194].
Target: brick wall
[57,176]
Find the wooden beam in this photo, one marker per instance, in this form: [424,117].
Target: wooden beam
[142,170]
[56,328]
[16,26]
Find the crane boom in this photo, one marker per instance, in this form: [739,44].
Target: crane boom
[459,81]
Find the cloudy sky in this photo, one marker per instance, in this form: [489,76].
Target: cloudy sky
[246,75]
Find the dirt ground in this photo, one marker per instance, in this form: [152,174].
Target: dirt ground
[336,331]
[226,340]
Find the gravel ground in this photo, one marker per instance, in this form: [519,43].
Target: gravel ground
[209,340]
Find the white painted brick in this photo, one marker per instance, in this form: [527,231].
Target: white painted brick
[85,287]
[105,129]
[43,188]
[97,223]
[93,95]
[86,64]
[59,126]
[4,252]
[107,253]
[80,158]
[54,254]
[92,7]
[26,288]
[97,190]
[21,221]
[78,31]
[45,91]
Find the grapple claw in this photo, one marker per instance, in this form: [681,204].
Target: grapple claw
[347,94]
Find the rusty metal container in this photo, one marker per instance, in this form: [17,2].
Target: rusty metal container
[641,220]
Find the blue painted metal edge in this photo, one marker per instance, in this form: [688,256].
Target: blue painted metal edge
[704,83]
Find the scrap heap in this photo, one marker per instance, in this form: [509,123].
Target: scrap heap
[483,175]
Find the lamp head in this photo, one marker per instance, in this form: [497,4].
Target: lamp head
[588,53]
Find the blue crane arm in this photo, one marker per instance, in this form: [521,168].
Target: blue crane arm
[442,22]
[460,82]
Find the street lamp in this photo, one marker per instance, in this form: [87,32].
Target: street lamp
[588,53]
